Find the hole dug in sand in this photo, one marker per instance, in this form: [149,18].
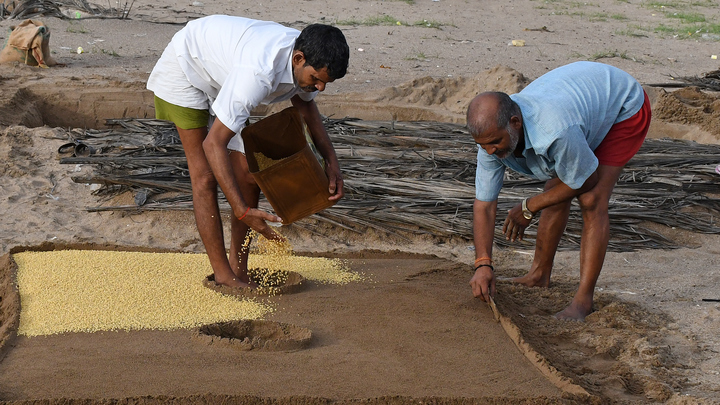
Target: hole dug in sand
[270,282]
[256,335]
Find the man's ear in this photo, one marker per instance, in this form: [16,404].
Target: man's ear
[516,122]
[298,58]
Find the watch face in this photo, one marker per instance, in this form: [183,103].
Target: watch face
[527,215]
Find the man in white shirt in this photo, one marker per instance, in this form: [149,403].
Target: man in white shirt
[226,66]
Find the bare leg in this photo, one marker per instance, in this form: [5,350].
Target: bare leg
[594,242]
[205,206]
[240,231]
[552,224]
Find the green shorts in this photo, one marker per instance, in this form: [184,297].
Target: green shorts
[183,117]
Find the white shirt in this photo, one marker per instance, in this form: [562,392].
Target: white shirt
[238,63]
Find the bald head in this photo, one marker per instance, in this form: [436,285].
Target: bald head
[490,110]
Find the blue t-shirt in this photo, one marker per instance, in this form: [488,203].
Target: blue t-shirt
[566,114]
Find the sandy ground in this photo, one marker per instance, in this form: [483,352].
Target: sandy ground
[360,348]
[651,339]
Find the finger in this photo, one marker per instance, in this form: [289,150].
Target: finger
[482,291]
[517,232]
[508,230]
[486,294]
[505,225]
[268,216]
[256,219]
[269,233]
[340,189]
[339,192]
[332,184]
[473,288]
[511,232]
[476,290]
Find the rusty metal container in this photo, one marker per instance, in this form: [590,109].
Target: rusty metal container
[282,160]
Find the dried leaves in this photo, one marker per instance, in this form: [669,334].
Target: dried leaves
[408,178]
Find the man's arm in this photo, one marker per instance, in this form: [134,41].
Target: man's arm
[310,113]
[218,156]
[515,223]
[483,281]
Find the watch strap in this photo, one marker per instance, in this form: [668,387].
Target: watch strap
[526,212]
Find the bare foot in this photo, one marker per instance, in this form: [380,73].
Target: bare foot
[233,282]
[242,275]
[574,313]
[530,280]
[252,284]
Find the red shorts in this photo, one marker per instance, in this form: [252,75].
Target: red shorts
[625,138]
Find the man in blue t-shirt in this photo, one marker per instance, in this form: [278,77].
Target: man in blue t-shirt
[574,127]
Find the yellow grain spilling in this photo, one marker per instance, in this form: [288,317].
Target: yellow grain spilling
[274,255]
[260,245]
[89,291]
[319,269]
[266,278]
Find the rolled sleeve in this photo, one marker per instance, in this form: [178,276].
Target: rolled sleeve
[488,177]
[242,91]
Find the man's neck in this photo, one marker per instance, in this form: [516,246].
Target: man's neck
[520,148]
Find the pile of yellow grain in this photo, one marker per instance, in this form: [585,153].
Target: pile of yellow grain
[89,291]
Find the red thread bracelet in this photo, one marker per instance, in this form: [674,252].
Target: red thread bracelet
[243,215]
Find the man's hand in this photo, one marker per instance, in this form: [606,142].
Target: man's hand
[515,224]
[335,181]
[483,283]
[256,218]
[314,121]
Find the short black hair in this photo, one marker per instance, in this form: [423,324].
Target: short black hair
[324,46]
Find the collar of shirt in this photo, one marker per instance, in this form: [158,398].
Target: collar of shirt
[288,76]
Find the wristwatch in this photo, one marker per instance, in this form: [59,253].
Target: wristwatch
[527,214]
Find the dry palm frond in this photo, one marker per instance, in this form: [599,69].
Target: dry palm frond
[708,81]
[407,178]
[22,9]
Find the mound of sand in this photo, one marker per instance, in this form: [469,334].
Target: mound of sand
[453,94]
[689,106]
[422,99]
